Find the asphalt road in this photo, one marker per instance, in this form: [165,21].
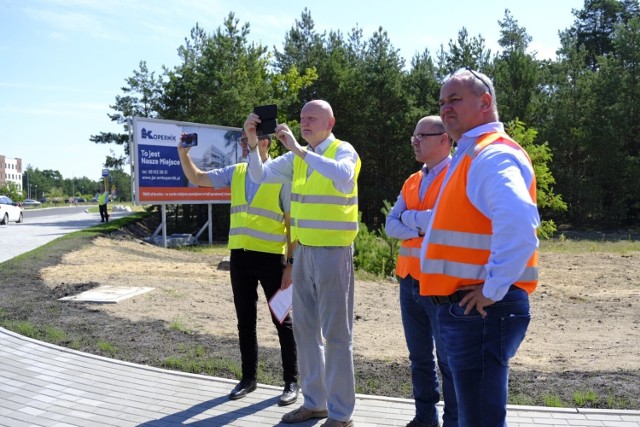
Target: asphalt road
[40,226]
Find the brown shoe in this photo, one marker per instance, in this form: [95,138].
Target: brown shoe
[303,414]
[335,423]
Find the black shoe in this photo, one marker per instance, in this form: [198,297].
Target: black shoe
[243,388]
[289,394]
[416,423]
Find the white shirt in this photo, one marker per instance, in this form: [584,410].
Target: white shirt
[341,170]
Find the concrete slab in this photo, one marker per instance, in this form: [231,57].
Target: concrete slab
[107,294]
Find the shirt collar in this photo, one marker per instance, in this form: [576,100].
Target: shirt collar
[470,136]
[322,147]
[437,168]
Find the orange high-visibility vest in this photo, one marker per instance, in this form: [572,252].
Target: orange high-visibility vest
[460,239]
[409,255]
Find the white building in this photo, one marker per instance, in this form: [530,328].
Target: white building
[10,171]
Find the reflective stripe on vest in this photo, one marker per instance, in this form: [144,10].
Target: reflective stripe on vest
[320,214]
[459,244]
[258,226]
[408,262]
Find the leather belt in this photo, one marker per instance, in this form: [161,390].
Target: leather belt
[449,299]
[458,295]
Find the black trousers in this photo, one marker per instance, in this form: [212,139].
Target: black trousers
[247,269]
[104,215]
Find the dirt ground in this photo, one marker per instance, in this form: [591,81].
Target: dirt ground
[584,335]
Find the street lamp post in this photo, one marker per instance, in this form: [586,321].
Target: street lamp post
[36,191]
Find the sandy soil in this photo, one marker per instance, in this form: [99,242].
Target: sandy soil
[583,337]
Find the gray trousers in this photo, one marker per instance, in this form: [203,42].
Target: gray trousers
[323,293]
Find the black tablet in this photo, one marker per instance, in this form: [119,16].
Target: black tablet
[268,121]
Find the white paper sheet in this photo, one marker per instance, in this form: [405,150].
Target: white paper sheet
[280,303]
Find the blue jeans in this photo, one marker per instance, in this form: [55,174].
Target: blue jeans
[479,349]
[420,329]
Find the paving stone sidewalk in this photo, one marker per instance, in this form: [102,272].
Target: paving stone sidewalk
[46,385]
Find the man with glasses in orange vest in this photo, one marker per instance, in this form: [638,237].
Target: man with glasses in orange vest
[432,147]
[324,222]
[259,241]
[480,250]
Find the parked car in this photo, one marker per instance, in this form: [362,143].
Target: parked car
[31,202]
[9,210]
[81,200]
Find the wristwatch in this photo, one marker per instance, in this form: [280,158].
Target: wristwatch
[290,260]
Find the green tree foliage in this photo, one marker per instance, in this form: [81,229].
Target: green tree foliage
[141,97]
[117,180]
[422,87]
[591,116]
[541,156]
[56,195]
[78,187]
[222,77]
[12,190]
[595,24]
[378,98]
[381,127]
[515,72]
[465,52]
[569,110]
[365,82]
[626,111]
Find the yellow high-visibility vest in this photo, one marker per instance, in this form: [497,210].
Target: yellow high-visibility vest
[258,226]
[320,214]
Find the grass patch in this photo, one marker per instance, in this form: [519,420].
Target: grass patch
[553,401]
[107,348]
[194,360]
[45,333]
[179,326]
[619,402]
[218,248]
[585,399]
[622,246]
[173,293]
[521,399]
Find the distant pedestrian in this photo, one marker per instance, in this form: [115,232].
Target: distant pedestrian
[102,196]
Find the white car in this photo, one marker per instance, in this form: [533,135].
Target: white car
[9,211]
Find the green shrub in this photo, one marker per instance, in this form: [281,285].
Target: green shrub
[375,252]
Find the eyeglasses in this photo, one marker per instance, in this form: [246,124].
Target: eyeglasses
[420,136]
[244,140]
[479,78]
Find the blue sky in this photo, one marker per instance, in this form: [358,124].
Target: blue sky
[62,62]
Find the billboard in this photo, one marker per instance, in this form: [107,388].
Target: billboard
[155,165]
